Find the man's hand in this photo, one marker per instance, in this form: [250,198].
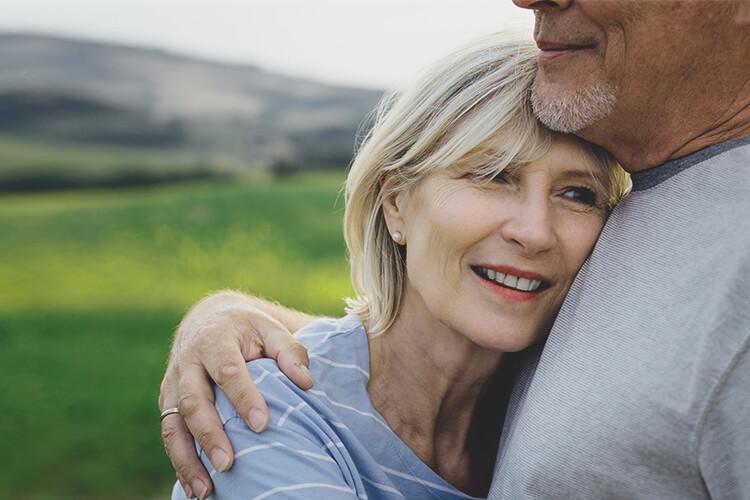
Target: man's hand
[213,342]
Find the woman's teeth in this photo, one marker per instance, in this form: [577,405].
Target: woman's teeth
[510,281]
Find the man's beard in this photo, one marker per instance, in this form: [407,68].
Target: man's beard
[576,111]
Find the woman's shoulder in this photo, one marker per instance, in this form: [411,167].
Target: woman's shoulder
[339,362]
[300,451]
[324,330]
[306,446]
[339,356]
[338,350]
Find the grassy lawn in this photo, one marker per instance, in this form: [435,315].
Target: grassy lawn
[93,283]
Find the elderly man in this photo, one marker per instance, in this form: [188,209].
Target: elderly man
[643,387]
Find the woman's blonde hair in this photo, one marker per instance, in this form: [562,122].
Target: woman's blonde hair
[472,108]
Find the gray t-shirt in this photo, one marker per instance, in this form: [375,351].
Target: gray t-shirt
[643,388]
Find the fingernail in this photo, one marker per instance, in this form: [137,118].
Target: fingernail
[304,371]
[199,486]
[188,490]
[219,459]
[257,420]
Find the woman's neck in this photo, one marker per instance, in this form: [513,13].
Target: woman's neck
[428,382]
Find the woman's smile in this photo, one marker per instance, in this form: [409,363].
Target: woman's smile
[511,283]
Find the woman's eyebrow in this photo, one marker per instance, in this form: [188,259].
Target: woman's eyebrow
[581,174]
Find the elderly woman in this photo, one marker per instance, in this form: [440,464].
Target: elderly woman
[465,222]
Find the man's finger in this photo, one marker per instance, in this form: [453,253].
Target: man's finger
[290,355]
[196,404]
[180,448]
[293,361]
[230,373]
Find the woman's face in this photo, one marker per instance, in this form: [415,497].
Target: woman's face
[494,261]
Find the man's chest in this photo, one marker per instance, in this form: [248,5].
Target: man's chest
[620,435]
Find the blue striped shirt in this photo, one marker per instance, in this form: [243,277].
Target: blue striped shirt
[327,443]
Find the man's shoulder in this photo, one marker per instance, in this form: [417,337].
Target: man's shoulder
[723,167]
[720,178]
[699,203]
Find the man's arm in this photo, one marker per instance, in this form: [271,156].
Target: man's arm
[213,342]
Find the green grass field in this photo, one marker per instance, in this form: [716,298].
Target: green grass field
[92,285]
[31,163]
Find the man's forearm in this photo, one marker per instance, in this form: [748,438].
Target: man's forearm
[292,319]
[241,307]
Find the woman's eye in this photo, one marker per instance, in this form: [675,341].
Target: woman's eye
[503,177]
[581,195]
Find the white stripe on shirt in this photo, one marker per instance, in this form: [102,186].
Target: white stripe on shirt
[302,486]
[351,408]
[340,365]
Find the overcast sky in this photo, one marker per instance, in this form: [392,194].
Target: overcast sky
[373,43]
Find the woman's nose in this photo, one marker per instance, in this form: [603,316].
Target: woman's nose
[531,227]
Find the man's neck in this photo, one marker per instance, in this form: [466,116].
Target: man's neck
[652,140]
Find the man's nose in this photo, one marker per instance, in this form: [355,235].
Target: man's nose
[543,5]
[531,227]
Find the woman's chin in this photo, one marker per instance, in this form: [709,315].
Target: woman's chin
[505,341]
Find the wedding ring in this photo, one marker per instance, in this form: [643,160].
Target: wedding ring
[168,412]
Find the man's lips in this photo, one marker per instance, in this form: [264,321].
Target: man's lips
[553,50]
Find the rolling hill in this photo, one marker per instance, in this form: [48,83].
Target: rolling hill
[109,99]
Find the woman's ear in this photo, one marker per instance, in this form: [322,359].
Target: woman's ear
[394,208]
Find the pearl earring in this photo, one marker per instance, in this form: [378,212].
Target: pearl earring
[398,237]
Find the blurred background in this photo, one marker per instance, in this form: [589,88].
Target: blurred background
[152,151]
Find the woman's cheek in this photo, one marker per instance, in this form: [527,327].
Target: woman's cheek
[588,231]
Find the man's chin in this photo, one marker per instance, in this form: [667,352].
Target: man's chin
[569,111]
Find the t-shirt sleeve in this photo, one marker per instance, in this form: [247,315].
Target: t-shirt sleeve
[724,446]
[297,456]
